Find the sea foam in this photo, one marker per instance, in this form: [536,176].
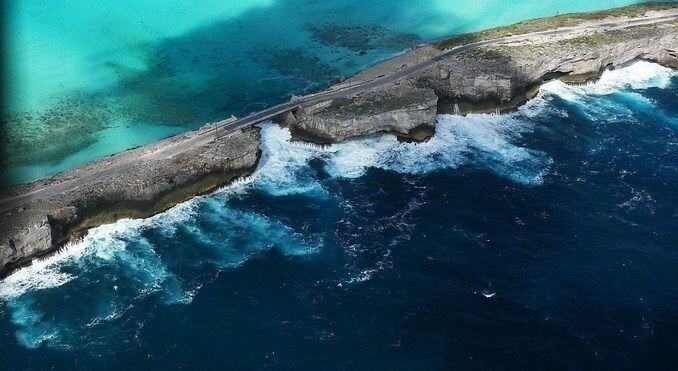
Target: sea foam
[639,75]
[161,258]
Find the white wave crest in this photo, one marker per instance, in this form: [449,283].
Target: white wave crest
[122,253]
[487,141]
[639,75]
[123,263]
[283,168]
[42,273]
[103,243]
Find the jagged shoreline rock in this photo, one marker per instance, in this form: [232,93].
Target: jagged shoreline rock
[145,188]
[407,112]
[482,79]
[486,79]
[501,78]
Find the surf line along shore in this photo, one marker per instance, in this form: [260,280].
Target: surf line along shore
[495,70]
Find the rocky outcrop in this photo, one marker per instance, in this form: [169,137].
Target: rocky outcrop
[408,112]
[500,78]
[156,179]
[147,180]
[484,79]
[27,242]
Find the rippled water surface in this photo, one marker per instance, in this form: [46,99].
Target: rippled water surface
[541,239]
[90,78]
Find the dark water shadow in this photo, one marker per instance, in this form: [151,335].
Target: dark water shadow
[233,66]
[230,67]
[3,83]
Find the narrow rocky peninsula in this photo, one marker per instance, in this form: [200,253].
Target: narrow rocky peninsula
[157,177]
[490,71]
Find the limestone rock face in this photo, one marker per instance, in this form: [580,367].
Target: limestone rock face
[28,242]
[491,76]
[157,178]
[484,86]
[396,109]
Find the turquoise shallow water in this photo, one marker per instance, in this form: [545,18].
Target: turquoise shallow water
[86,79]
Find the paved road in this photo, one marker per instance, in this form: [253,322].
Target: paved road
[225,128]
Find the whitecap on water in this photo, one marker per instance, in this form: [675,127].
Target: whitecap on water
[42,274]
[619,82]
[63,301]
[283,168]
[119,265]
[639,75]
[621,92]
[487,141]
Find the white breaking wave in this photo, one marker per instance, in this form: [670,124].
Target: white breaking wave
[102,243]
[485,140]
[39,276]
[119,265]
[283,168]
[621,82]
[127,257]
[639,75]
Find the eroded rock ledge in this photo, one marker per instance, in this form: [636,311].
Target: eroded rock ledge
[500,78]
[150,185]
[482,79]
[408,112]
[488,79]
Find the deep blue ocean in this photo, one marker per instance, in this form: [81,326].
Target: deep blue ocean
[543,239]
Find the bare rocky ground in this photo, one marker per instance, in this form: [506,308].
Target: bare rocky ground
[493,78]
[406,111]
[155,180]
